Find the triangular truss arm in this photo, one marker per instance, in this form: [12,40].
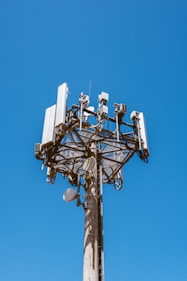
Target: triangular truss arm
[68,155]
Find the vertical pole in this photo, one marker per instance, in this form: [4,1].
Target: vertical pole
[100,224]
[93,227]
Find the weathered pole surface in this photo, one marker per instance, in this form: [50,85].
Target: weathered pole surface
[93,228]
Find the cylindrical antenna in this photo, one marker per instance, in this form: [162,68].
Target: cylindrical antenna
[90,87]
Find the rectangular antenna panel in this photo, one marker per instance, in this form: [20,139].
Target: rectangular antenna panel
[103,96]
[48,128]
[61,105]
[143,132]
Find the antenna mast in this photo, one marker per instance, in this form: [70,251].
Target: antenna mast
[90,155]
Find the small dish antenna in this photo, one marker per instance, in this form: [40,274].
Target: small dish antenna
[69,195]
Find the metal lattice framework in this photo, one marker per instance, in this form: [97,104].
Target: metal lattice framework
[68,155]
[72,141]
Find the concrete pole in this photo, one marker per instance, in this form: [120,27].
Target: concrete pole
[93,228]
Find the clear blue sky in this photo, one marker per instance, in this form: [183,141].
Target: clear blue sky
[135,51]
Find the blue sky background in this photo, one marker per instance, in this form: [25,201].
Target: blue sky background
[135,51]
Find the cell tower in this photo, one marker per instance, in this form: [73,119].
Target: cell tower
[77,142]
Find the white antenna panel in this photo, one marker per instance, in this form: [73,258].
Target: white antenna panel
[61,105]
[143,131]
[48,128]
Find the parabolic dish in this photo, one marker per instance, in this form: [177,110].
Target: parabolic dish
[69,195]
